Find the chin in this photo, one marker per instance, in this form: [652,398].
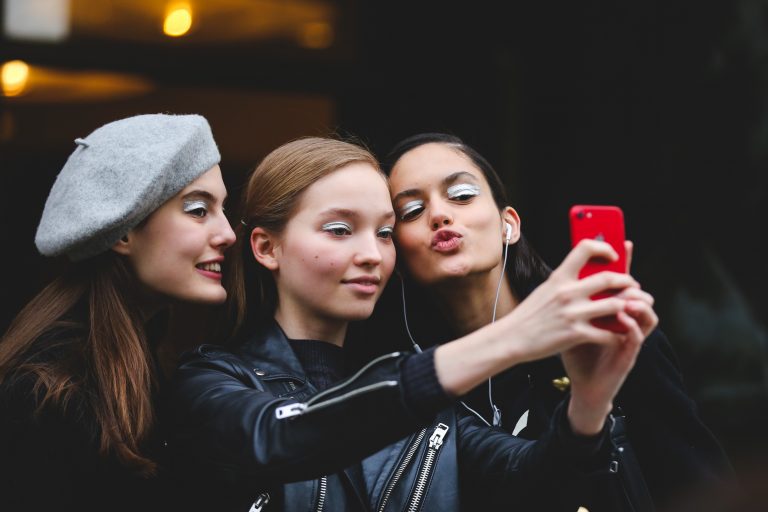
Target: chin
[357,314]
[443,273]
[213,298]
[444,276]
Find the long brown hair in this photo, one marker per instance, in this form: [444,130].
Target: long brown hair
[269,199]
[104,348]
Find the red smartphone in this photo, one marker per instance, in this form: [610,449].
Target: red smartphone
[604,223]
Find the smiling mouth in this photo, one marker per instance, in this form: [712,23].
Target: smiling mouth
[367,286]
[213,266]
[364,281]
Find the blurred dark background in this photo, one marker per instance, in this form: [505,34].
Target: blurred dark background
[656,106]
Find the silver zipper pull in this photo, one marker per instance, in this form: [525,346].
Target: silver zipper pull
[261,500]
[287,411]
[436,440]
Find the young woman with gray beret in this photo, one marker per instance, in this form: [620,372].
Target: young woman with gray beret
[138,210]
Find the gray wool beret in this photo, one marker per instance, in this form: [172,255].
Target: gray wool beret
[117,176]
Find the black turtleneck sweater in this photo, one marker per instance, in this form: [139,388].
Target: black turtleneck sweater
[324,363]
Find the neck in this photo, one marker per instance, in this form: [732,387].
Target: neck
[304,327]
[468,301]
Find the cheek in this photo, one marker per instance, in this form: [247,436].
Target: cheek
[484,223]
[388,258]
[324,265]
[171,238]
[407,237]
[489,233]
[316,260]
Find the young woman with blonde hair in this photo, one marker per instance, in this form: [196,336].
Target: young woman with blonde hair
[280,419]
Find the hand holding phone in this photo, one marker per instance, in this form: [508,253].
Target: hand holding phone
[604,223]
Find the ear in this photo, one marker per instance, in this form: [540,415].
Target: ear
[265,248]
[123,246]
[510,216]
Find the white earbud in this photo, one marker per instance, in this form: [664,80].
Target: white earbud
[507,232]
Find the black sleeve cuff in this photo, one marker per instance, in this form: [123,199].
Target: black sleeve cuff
[579,446]
[422,392]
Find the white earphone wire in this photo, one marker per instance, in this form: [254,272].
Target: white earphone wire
[417,348]
[494,408]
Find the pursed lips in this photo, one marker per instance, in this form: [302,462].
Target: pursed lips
[446,240]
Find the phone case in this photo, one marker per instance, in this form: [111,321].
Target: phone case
[605,223]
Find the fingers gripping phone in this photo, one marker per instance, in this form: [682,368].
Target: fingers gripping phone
[604,223]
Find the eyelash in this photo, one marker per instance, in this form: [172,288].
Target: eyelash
[340,229]
[334,228]
[197,209]
[411,210]
[463,191]
[387,231]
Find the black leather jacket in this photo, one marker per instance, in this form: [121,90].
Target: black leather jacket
[247,424]
[677,456]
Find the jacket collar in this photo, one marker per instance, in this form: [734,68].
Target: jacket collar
[269,346]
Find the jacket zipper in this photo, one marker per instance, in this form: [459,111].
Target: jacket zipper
[435,442]
[401,468]
[260,502]
[322,493]
[312,404]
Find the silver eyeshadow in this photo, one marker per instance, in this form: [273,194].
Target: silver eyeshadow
[332,226]
[463,189]
[190,206]
[410,207]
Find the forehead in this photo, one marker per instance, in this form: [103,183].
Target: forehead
[430,163]
[210,181]
[357,185]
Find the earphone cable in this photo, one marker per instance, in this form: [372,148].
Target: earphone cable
[417,348]
[496,411]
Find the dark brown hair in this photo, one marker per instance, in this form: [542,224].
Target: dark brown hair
[105,355]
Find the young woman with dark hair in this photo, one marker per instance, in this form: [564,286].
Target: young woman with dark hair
[138,209]
[443,189]
[281,419]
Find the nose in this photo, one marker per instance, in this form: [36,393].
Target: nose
[223,235]
[440,216]
[368,252]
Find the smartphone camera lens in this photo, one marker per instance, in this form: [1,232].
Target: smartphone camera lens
[579,215]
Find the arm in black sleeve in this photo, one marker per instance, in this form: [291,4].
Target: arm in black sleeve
[422,391]
[226,420]
[504,469]
[673,446]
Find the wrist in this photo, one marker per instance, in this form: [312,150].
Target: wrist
[587,420]
[463,364]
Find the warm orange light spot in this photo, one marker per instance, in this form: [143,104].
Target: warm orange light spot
[316,35]
[178,20]
[14,77]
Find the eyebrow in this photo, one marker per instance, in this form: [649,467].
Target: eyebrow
[203,194]
[347,213]
[448,180]
[453,178]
